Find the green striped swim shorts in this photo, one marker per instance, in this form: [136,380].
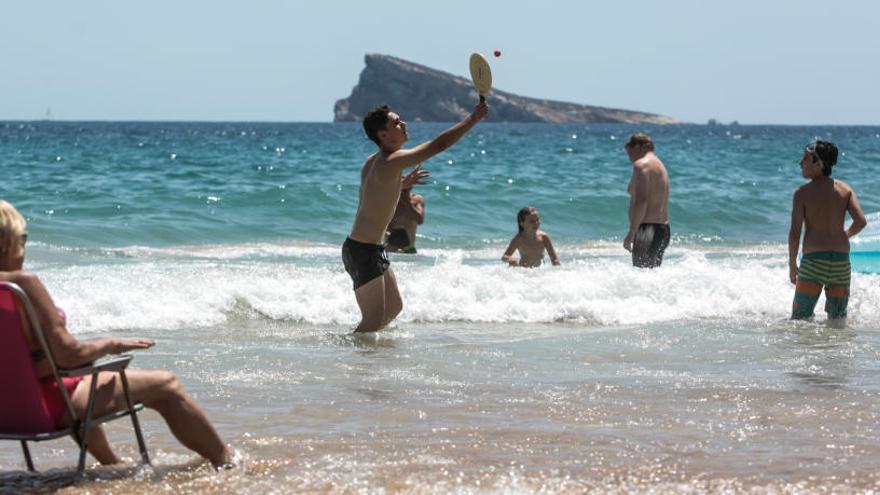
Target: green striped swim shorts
[825,268]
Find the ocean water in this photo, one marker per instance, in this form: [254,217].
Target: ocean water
[221,241]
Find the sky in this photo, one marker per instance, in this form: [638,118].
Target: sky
[754,61]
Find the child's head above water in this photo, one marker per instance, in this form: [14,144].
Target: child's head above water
[528,218]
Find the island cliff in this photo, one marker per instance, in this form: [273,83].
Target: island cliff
[422,93]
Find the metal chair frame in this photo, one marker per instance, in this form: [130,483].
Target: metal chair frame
[79,428]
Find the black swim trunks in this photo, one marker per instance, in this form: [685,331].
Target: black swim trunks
[649,244]
[363,261]
[399,241]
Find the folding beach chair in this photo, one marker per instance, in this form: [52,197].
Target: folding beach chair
[23,414]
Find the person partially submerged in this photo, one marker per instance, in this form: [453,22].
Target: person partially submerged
[821,205]
[409,214]
[649,233]
[363,254]
[529,241]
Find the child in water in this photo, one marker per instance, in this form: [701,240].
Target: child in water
[530,241]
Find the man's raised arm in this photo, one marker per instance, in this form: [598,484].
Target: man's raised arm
[405,158]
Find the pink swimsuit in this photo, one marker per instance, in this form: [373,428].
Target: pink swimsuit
[53,402]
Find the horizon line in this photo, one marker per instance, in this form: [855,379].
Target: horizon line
[186,121]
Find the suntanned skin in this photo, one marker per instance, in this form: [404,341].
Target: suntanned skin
[648,190]
[531,244]
[158,390]
[381,182]
[409,214]
[821,205]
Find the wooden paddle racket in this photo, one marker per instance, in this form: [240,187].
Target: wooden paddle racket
[481,75]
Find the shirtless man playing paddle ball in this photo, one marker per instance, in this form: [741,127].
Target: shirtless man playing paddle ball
[381,182]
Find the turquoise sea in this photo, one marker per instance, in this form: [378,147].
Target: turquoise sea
[221,241]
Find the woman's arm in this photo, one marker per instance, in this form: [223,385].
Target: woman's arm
[67,351]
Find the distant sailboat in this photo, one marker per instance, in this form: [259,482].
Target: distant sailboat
[48,113]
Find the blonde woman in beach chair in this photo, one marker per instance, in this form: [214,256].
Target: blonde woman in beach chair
[48,385]
[41,409]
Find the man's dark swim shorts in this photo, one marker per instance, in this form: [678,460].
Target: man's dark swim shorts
[649,244]
[363,261]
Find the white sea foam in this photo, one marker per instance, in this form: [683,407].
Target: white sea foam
[229,251]
[491,250]
[593,287]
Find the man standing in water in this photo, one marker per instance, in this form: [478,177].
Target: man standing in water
[362,253]
[409,214]
[822,205]
[648,190]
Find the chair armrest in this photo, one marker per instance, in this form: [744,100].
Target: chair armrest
[118,363]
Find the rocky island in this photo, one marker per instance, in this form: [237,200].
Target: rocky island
[421,93]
